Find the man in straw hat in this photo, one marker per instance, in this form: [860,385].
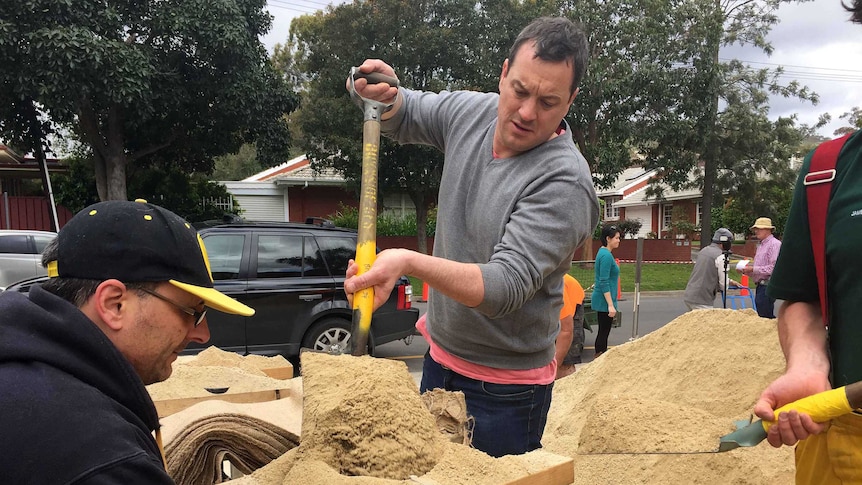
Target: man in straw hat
[764,262]
[129,289]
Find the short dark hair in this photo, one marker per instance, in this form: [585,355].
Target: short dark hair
[557,39]
[855,10]
[608,232]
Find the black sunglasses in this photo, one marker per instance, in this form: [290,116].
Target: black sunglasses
[199,315]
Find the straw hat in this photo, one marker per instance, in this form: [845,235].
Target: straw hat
[763,223]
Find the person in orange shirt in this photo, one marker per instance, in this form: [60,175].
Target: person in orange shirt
[570,341]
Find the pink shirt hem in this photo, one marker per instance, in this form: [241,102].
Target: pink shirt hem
[541,375]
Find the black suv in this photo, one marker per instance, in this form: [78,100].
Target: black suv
[292,274]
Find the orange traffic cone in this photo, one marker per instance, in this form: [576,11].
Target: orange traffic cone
[619,284]
[424,291]
[744,281]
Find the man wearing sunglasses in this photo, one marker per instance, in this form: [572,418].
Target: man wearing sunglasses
[129,289]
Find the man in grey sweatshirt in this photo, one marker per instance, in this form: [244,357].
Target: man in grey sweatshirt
[706,278]
[516,199]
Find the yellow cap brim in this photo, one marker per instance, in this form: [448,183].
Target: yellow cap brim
[216,299]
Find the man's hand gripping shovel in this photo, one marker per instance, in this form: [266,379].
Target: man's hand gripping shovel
[366,241]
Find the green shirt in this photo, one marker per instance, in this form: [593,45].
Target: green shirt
[795,278]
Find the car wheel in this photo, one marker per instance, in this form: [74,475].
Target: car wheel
[331,335]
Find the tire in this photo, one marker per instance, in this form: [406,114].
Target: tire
[330,335]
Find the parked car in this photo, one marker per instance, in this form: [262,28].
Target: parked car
[21,254]
[292,274]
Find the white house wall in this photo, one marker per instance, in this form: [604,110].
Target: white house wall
[263,207]
[644,215]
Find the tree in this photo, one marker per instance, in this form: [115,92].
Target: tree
[166,186]
[854,120]
[433,45]
[657,88]
[147,82]
[739,142]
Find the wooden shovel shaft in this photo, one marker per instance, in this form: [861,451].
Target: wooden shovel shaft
[366,241]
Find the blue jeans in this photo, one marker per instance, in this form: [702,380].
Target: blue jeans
[509,418]
[765,305]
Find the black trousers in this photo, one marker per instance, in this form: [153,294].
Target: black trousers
[605,322]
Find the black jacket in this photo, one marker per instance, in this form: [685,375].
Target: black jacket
[72,408]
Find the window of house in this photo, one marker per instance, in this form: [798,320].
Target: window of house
[699,215]
[612,212]
[666,216]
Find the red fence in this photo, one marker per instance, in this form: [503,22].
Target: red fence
[29,213]
[654,250]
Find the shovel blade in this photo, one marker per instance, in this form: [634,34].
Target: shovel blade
[749,435]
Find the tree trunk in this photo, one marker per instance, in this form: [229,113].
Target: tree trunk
[419,202]
[104,133]
[115,167]
[710,135]
[587,253]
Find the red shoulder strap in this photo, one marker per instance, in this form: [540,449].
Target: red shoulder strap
[818,183]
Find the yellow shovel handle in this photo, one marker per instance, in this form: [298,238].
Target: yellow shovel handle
[821,407]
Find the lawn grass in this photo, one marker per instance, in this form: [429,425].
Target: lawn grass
[654,276]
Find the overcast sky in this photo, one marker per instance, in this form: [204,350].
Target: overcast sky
[814,42]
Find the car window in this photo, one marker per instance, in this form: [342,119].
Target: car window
[225,254]
[42,242]
[15,243]
[337,250]
[314,262]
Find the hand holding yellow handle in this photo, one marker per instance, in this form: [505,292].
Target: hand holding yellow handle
[825,405]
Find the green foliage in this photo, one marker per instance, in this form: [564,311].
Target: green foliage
[387,224]
[143,82]
[165,186]
[680,223]
[432,45]
[854,121]
[345,216]
[238,165]
[630,227]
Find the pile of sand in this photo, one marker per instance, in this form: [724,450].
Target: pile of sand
[214,368]
[364,423]
[678,389]
[253,364]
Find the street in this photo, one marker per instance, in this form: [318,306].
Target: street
[654,311]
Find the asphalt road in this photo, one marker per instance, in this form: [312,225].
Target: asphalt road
[655,309]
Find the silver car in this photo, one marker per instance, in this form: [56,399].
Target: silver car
[21,254]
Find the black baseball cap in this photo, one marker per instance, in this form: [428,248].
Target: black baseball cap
[138,242]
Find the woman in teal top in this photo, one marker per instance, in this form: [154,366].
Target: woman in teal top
[604,299]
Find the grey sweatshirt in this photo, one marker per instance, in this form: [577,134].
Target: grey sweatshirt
[519,219]
[703,283]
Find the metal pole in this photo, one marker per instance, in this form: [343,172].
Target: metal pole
[46,182]
[638,263]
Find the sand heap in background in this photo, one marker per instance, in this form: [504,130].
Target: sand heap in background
[253,364]
[215,368]
[677,389]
